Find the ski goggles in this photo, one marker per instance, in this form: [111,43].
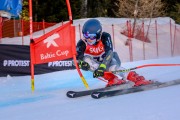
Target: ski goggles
[90,36]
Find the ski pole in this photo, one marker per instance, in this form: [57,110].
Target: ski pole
[142,66]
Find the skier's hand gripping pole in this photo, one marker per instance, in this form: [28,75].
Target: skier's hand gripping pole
[142,66]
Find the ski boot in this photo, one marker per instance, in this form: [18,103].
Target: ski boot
[112,79]
[138,80]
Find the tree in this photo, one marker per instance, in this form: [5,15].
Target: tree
[112,8]
[51,10]
[25,10]
[97,8]
[144,8]
[56,10]
[173,9]
[84,8]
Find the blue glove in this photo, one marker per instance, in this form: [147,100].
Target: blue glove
[100,71]
[84,65]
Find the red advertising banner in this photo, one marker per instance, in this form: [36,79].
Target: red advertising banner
[55,45]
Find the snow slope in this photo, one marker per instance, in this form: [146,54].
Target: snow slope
[49,101]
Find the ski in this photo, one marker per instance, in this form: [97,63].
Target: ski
[75,94]
[155,85]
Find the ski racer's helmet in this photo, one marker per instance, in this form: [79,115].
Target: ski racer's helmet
[92,31]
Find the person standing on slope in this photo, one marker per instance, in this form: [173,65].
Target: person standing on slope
[95,52]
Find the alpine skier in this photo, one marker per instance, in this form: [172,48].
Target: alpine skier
[95,52]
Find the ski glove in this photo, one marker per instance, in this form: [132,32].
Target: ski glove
[84,65]
[100,71]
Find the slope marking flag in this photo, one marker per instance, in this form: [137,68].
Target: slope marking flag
[54,45]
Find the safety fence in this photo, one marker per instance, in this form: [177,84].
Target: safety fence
[15,28]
